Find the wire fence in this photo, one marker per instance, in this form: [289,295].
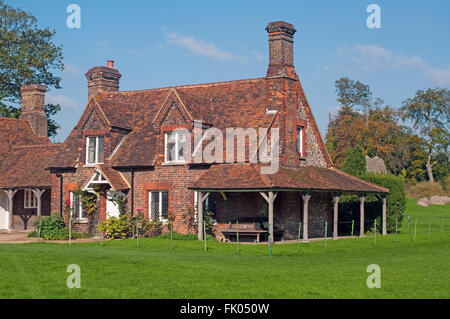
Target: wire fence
[411,228]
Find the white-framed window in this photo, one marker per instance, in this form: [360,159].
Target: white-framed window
[95,150]
[174,145]
[30,200]
[300,141]
[76,207]
[158,203]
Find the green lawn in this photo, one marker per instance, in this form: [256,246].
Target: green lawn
[118,269]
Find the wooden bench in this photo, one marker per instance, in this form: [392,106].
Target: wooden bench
[246,229]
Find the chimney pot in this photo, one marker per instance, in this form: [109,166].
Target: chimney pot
[103,78]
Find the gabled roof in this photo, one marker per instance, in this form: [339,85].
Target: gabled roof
[23,155]
[240,103]
[225,177]
[25,166]
[114,178]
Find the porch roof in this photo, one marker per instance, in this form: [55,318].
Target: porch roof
[248,177]
[24,166]
[114,178]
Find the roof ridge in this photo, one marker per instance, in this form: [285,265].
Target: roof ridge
[37,145]
[359,179]
[185,86]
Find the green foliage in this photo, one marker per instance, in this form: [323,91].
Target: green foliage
[429,111]
[208,220]
[117,227]
[121,201]
[424,189]
[28,55]
[395,199]
[355,162]
[53,228]
[178,236]
[149,228]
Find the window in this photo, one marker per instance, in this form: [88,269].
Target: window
[30,200]
[94,150]
[174,146]
[158,203]
[300,141]
[77,209]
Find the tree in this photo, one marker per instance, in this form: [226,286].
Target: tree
[429,112]
[362,120]
[355,162]
[27,56]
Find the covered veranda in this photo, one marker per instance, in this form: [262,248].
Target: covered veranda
[304,182]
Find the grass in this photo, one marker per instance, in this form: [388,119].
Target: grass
[118,269]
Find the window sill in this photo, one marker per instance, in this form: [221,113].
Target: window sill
[80,220]
[173,163]
[92,165]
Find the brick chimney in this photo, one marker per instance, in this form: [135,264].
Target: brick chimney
[102,78]
[281,49]
[33,101]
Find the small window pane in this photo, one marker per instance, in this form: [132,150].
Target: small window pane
[154,205]
[165,205]
[101,149]
[91,150]
[75,205]
[170,147]
[299,140]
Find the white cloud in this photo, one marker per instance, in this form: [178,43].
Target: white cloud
[62,100]
[372,58]
[200,47]
[72,69]
[101,45]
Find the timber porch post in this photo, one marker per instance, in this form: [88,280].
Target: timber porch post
[38,193]
[362,199]
[305,199]
[335,216]
[270,198]
[200,199]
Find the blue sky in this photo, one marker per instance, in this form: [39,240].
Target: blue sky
[166,43]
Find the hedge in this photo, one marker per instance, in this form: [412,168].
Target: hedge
[395,202]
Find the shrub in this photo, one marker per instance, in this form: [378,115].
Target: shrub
[178,236]
[117,227]
[53,228]
[151,228]
[424,189]
[395,200]
[208,220]
[355,162]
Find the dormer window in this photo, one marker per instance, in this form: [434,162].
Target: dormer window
[174,147]
[95,150]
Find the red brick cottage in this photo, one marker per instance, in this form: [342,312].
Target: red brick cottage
[25,151]
[129,142]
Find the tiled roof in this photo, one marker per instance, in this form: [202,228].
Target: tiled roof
[25,166]
[115,178]
[23,155]
[15,132]
[249,177]
[240,103]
